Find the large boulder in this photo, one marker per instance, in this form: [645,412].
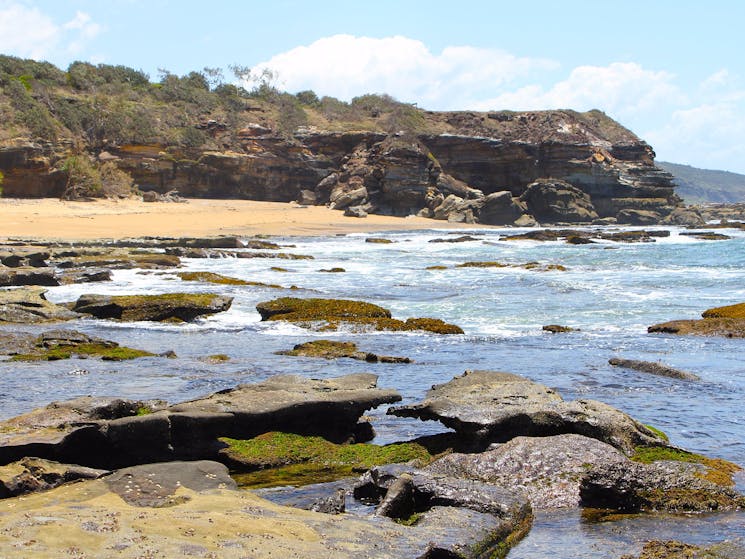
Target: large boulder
[687,217]
[638,217]
[589,473]
[168,306]
[500,208]
[551,200]
[112,432]
[523,463]
[29,305]
[487,406]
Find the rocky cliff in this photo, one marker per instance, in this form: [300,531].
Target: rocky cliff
[371,155]
[552,166]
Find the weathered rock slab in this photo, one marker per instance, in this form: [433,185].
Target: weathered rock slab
[488,406]
[168,306]
[28,305]
[548,469]
[185,509]
[111,432]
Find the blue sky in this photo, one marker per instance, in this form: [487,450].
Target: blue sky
[672,72]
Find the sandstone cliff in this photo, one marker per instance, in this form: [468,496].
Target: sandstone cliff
[371,155]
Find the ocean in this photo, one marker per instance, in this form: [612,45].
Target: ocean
[610,292]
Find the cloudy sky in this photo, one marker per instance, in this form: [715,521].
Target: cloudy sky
[671,71]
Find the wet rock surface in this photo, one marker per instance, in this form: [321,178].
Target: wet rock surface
[671,549]
[488,406]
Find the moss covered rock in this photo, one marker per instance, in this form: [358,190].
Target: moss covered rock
[219,279]
[328,349]
[715,470]
[168,306]
[330,313]
[728,321]
[275,450]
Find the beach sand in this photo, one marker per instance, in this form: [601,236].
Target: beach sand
[52,219]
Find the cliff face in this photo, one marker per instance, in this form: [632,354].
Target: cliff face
[462,166]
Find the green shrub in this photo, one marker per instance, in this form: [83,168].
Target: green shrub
[83,178]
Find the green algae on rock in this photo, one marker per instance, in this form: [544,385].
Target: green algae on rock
[328,349]
[527,266]
[102,350]
[332,312]
[164,307]
[716,470]
[219,279]
[727,321]
[276,450]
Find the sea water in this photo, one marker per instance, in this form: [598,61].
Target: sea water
[610,292]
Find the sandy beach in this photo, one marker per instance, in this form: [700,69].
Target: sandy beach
[53,219]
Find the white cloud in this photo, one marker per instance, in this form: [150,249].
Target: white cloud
[26,31]
[708,135]
[345,66]
[702,125]
[623,89]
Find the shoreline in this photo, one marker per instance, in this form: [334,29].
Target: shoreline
[53,219]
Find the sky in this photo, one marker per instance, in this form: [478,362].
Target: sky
[671,71]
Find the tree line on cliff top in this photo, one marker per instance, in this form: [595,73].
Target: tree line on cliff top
[112,104]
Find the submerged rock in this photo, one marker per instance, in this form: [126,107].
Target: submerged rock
[328,314]
[219,279]
[488,406]
[168,306]
[678,550]
[558,329]
[28,305]
[652,368]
